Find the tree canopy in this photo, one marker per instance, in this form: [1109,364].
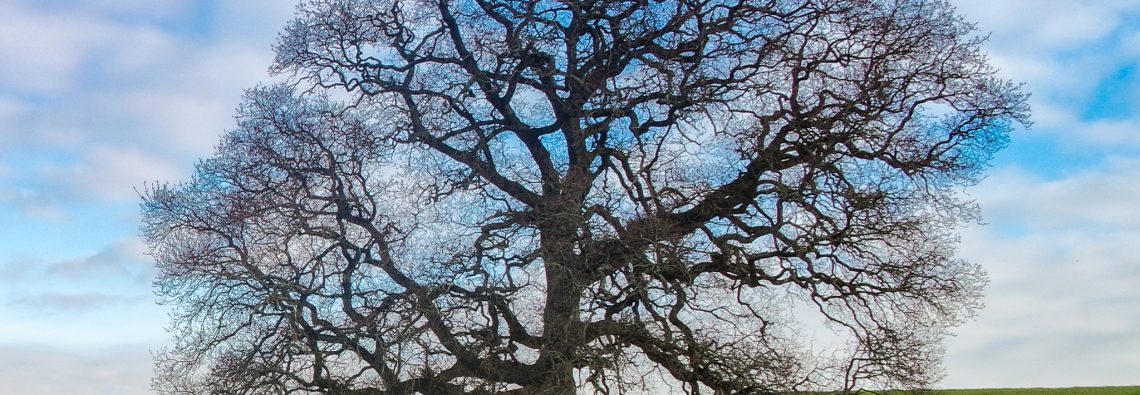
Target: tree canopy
[544,197]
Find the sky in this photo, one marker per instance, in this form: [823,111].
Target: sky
[98,97]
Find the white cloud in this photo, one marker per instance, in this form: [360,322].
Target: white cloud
[37,369]
[1110,133]
[122,265]
[44,51]
[1100,198]
[118,99]
[135,9]
[52,303]
[95,98]
[11,109]
[1047,25]
[1060,309]
[1065,51]
[185,110]
[256,21]
[111,172]
[100,174]
[125,259]
[103,298]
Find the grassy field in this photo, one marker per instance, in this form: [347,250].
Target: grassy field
[1046,391]
[1037,391]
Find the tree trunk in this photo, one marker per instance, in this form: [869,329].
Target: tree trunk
[560,381]
[562,312]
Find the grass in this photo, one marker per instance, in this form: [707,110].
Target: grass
[1033,391]
[1046,391]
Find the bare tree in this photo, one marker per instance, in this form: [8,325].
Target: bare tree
[545,197]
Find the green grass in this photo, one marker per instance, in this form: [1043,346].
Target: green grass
[1046,391]
[1032,391]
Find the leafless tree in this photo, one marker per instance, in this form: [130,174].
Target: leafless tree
[611,196]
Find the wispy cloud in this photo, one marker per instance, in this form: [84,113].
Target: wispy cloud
[1102,198]
[1061,305]
[1060,310]
[115,280]
[99,299]
[126,259]
[1048,26]
[104,173]
[97,97]
[52,303]
[1061,210]
[39,369]
[1070,55]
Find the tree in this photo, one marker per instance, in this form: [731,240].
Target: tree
[536,196]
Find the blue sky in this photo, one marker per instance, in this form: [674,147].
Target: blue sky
[98,96]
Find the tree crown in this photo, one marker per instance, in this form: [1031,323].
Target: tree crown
[537,196]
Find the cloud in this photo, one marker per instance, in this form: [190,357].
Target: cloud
[102,298]
[1060,308]
[1092,360]
[40,54]
[12,272]
[47,50]
[96,99]
[122,259]
[11,110]
[108,173]
[1075,58]
[50,303]
[122,265]
[1047,26]
[36,369]
[184,111]
[1102,197]
[124,9]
